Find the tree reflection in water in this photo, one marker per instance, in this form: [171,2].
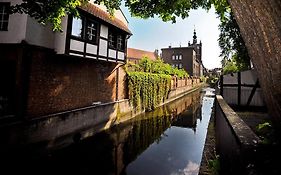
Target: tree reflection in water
[111,151]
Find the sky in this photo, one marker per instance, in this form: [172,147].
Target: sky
[153,33]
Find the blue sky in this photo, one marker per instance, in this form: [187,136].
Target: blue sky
[153,33]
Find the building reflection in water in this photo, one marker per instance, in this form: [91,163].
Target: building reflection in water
[110,151]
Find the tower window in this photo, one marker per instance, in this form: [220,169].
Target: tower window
[180,57]
[4,16]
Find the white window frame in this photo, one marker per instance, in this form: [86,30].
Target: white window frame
[3,13]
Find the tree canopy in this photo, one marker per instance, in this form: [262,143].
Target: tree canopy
[230,39]
[53,10]
[233,50]
[156,67]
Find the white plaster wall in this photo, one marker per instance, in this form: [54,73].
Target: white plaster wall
[60,37]
[90,48]
[112,53]
[248,77]
[76,45]
[230,79]
[103,47]
[257,99]
[38,34]
[74,54]
[104,31]
[16,27]
[87,56]
[121,55]
[230,95]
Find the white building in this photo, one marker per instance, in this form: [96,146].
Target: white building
[44,72]
[95,35]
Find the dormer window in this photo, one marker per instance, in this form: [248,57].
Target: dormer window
[4,16]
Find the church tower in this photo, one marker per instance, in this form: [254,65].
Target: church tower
[197,47]
[194,38]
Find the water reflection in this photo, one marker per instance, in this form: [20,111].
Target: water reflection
[168,140]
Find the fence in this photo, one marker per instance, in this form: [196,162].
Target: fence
[241,89]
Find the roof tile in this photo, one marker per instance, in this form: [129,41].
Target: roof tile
[96,11]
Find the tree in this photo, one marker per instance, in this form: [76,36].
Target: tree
[48,10]
[260,27]
[230,67]
[259,23]
[233,49]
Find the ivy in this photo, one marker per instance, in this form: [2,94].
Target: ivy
[148,90]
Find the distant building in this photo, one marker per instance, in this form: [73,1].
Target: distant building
[215,72]
[135,55]
[187,58]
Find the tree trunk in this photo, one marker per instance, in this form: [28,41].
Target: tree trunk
[260,25]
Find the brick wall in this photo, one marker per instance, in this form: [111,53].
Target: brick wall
[186,82]
[59,83]
[187,58]
[46,83]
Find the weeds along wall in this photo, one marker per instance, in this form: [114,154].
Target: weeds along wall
[148,90]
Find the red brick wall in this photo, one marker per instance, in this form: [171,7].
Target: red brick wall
[59,83]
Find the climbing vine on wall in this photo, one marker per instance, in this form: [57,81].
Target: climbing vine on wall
[148,90]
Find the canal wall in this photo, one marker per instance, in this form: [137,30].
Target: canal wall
[92,119]
[236,143]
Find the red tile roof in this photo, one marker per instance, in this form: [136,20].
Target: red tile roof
[99,13]
[139,54]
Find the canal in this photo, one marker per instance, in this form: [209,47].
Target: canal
[166,141]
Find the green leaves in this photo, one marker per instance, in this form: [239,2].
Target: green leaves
[233,49]
[53,10]
[48,10]
[157,67]
[148,90]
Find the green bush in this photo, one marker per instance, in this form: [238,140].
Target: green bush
[156,67]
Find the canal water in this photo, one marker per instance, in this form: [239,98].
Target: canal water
[166,141]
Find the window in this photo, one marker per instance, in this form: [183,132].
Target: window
[180,57]
[77,27]
[120,44]
[180,65]
[111,40]
[91,31]
[173,57]
[4,16]
[177,57]
[84,28]
[116,40]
